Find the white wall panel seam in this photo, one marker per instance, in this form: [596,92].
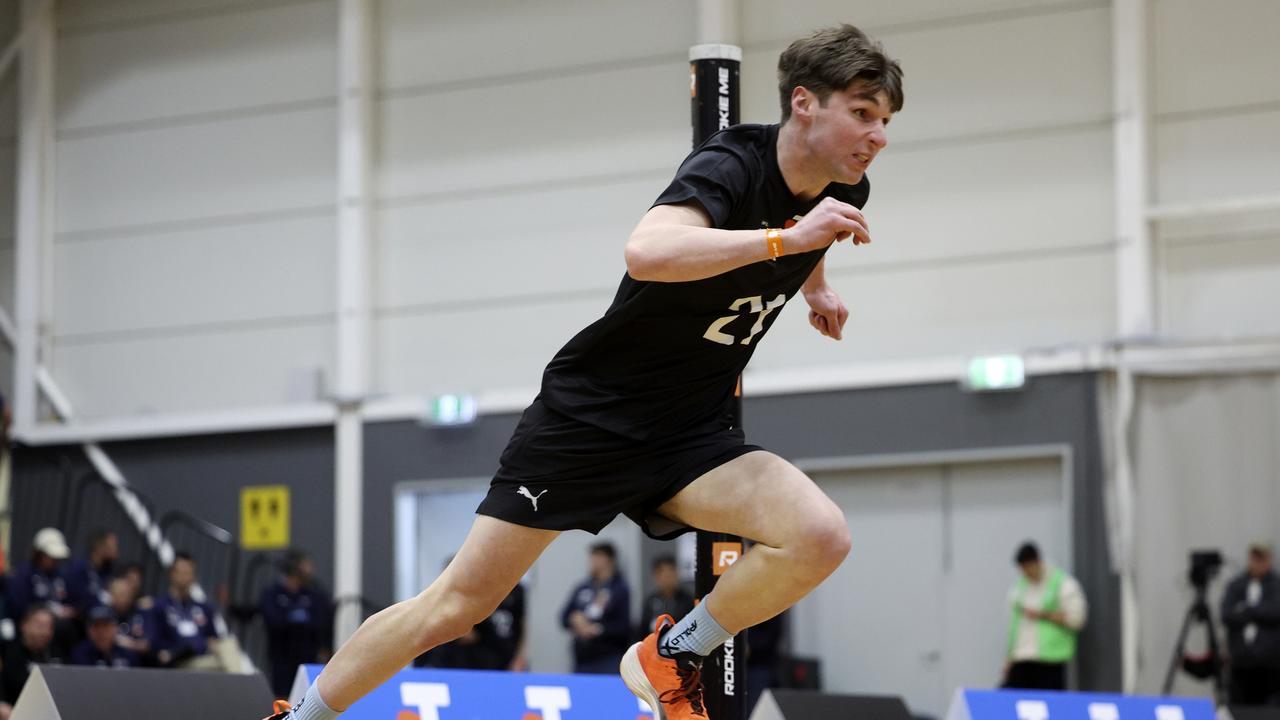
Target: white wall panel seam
[219,327]
[1222,237]
[982,17]
[197,118]
[999,135]
[1217,112]
[418,90]
[166,227]
[179,16]
[989,258]
[605,293]
[540,186]
[497,302]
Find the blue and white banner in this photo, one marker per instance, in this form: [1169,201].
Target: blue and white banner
[1046,705]
[490,695]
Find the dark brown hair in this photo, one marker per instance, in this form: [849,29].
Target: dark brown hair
[833,59]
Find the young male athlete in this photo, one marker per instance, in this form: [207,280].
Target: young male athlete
[633,413]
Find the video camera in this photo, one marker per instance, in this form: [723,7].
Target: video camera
[1204,566]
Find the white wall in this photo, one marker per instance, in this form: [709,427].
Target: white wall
[518,143]
[194,246]
[1217,105]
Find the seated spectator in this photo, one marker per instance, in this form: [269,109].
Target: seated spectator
[39,582]
[100,649]
[134,620]
[86,577]
[299,617]
[185,630]
[33,645]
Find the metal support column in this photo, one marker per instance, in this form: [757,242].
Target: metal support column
[355,114]
[1135,287]
[33,226]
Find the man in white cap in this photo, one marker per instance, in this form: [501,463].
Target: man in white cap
[38,582]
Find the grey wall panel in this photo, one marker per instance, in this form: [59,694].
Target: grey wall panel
[234,167]
[86,15]
[1221,287]
[1014,71]
[1213,55]
[948,310]
[6,373]
[215,368]
[1240,161]
[442,42]
[764,20]
[231,273]
[465,139]
[197,64]
[474,345]
[520,243]
[969,199]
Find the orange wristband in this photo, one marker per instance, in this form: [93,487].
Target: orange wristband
[773,238]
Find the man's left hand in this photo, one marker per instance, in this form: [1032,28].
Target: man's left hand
[827,313]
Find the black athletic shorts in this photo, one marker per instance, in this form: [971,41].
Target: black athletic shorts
[559,473]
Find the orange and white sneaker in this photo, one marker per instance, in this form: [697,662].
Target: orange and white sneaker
[280,710]
[671,686]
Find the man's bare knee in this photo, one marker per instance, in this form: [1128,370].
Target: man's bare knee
[444,615]
[824,542]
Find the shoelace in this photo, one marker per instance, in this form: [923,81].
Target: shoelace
[690,688]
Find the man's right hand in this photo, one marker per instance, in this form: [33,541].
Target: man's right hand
[829,221]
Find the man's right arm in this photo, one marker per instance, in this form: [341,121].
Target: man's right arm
[676,243]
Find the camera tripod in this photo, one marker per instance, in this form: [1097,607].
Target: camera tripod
[1197,613]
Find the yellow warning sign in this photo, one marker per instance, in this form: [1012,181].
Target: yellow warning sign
[264,517]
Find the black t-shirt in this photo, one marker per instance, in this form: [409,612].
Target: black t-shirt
[665,357]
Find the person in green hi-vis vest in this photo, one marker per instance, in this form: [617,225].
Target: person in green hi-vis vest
[1047,610]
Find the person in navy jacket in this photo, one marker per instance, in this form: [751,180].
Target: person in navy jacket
[101,649]
[299,617]
[598,614]
[87,577]
[185,627]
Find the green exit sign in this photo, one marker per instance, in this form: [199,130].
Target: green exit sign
[996,372]
[451,410]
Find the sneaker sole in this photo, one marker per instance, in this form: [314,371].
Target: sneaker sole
[638,683]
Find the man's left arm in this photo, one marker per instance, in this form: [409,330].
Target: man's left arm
[827,313]
[1073,609]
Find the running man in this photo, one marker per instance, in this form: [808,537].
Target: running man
[633,415]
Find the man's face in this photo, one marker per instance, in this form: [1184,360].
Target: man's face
[182,576]
[600,565]
[666,579]
[37,631]
[102,633]
[109,549]
[1032,570]
[1259,564]
[121,594]
[848,131]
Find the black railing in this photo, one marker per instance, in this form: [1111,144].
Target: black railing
[214,548]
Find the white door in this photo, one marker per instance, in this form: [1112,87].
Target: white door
[876,624]
[994,507]
[919,607]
